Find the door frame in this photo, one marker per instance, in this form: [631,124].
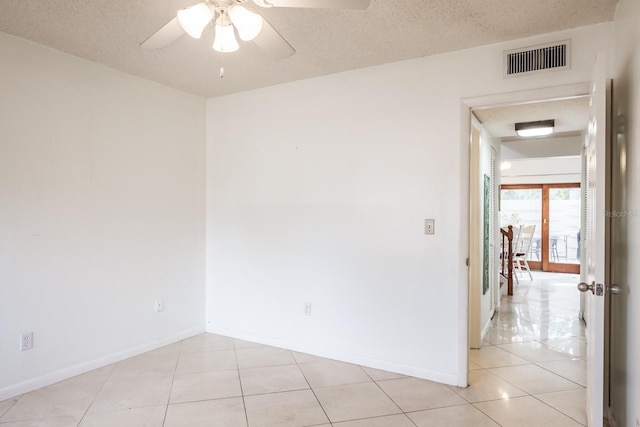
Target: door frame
[482,306]
[466,107]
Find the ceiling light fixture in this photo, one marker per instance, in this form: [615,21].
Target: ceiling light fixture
[225,40]
[231,16]
[538,128]
[194,19]
[248,22]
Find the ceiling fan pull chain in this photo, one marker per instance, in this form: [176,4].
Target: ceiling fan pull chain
[221,65]
[221,73]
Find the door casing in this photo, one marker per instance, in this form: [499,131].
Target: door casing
[511,98]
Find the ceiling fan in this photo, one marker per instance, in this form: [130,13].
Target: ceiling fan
[230,16]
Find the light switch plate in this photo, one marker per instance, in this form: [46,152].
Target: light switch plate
[430,226]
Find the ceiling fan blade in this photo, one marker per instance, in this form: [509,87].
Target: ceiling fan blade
[274,45]
[321,4]
[165,35]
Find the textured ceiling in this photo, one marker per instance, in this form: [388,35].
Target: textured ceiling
[326,40]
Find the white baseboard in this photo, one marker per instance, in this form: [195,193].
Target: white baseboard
[343,357]
[486,329]
[80,368]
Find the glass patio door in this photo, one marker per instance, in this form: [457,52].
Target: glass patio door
[522,205]
[562,217]
[555,211]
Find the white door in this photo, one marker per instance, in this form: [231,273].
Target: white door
[594,242]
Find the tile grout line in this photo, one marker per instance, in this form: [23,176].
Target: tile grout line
[390,398]
[487,415]
[312,390]
[556,409]
[565,359]
[561,376]
[244,403]
[385,393]
[173,378]
[95,396]
[501,379]
[16,400]
[524,391]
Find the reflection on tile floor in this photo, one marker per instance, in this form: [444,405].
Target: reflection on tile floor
[535,346]
[529,372]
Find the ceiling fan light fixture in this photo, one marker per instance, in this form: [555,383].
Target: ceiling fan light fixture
[225,40]
[537,128]
[194,19]
[248,22]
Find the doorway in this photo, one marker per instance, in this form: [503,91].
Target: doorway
[539,174]
[540,183]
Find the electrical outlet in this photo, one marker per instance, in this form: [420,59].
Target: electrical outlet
[307,309]
[26,341]
[159,305]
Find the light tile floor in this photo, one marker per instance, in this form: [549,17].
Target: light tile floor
[530,372]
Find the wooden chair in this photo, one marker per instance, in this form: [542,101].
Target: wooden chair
[521,249]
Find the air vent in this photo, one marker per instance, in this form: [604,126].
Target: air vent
[535,59]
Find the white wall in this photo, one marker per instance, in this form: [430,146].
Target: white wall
[553,160]
[102,212]
[625,309]
[317,191]
[552,170]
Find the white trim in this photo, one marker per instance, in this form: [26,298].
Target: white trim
[528,96]
[465,215]
[81,368]
[487,327]
[475,241]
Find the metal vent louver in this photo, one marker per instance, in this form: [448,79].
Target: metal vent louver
[547,57]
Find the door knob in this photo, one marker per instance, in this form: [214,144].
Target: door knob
[614,289]
[584,287]
[597,289]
